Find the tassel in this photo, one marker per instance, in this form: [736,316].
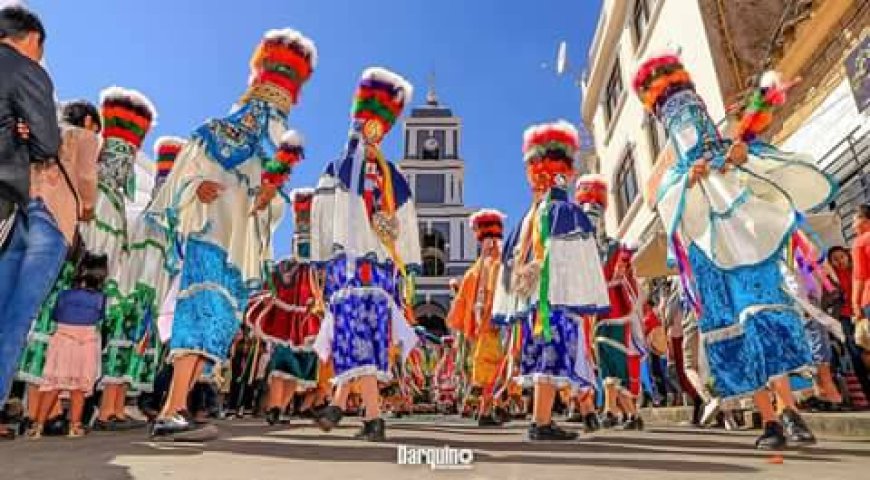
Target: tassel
[685,270]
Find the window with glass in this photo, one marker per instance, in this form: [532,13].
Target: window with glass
[626,183]
[640,19]
[612,93]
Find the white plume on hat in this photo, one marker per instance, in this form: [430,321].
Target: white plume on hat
[294,37]
[383,75]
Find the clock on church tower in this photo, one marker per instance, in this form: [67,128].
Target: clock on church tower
[435,170]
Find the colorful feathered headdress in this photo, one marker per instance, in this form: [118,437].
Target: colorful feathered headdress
[380,98]
[549,150]
[758,112]
[658,79]
[166,149]
[281,65]
[551,141]
[487,223]
[290,152]
[591,189]
[127,115]
[302,200]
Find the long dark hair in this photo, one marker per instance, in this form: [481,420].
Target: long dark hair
[92,271]
[76,111]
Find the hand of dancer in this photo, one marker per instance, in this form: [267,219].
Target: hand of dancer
[208,191]
[699,170]
[738,153]
[264,197]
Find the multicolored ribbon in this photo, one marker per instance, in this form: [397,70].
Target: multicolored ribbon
[542,323]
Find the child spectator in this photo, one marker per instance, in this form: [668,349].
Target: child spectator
[73,359]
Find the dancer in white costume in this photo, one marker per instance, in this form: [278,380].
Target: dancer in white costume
[365,229]
[146,276]
[220,201]
[128,116]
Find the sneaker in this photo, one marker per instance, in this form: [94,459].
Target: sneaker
[488,421]
[76,431]
[273,416]
[610,421]
[711,411]
[372,431]
[170,426]
[550,432]
[110,425]
[591,422]
[796,429]
[328,417]
[34,433]
[772,438]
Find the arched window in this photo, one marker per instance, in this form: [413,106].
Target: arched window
[434,253]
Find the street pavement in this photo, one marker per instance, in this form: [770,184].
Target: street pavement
[249,450]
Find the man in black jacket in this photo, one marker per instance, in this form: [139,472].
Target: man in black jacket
[33,254]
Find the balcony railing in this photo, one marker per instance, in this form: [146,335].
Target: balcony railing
[849,164]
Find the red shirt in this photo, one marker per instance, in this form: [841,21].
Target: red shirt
[861,262]
[844,280]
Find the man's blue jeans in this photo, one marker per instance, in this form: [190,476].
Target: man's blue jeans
[29,266]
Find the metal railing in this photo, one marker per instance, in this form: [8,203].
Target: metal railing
[849,163]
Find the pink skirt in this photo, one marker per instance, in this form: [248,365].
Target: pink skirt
[73,359]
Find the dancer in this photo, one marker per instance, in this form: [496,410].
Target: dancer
[128,116]
[220,201]
[729,206]
[551,277]
[365,229]
[471,314]
[618,335]
[287,315]
[145,280]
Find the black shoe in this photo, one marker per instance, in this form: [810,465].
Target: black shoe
[796,429]
[488,421]
[632,423]
[127,423]
[56,427]
[501,415]
[372,431]
[772,438]
[610,421]
[328,417]
[550,432]
[591,422]
[307,414]
[170,426]
[110,425]
[575,418]
[273,416]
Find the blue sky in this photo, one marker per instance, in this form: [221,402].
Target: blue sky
[190,57]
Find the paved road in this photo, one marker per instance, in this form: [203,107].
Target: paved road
[247,450]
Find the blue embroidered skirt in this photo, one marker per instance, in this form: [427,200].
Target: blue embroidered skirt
[362,302]
[555,361]
[211,300]
[752,331]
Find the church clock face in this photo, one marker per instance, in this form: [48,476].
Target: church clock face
[431,148]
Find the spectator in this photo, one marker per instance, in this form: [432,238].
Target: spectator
[861,272]
[35,248]
[838,304]
[64,186]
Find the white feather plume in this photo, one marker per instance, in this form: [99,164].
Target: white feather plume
[383,75]
[135,96]
[294,37]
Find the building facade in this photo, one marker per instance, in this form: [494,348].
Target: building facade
[433,164]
